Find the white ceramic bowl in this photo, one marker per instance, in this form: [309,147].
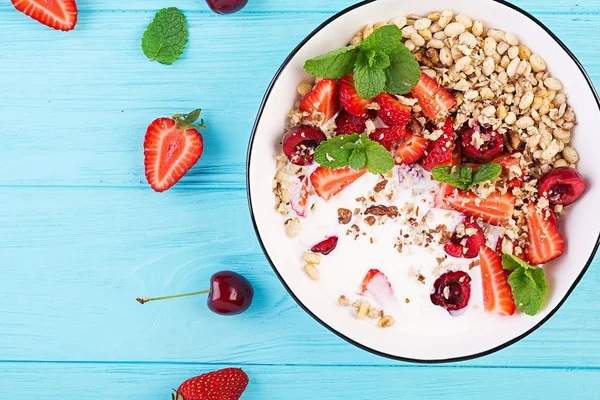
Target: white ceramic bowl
[489,333]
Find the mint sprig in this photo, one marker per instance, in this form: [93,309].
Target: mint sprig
[356,151]
[528,283]
[166,36]
[380,63]
[464,178]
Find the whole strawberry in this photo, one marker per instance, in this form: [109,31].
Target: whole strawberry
[225,384]
[172,146]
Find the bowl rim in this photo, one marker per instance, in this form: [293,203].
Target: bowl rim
[293,295]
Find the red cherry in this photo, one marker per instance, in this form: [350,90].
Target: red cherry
[299,144]
[230,294]
[492,144]
[562,186]
[226,6]
[452,290]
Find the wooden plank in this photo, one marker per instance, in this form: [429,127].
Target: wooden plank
[73,261]
[330,7]
[77,115]
[154,382]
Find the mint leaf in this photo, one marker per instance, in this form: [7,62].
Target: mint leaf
[334,64]
[357,159]
[511,262]
[387,39]
[444,174]
[403,73]
[333,153]
[368,80]
[379,159]
[466,175]
[166,36]
[486,172]
[529,287]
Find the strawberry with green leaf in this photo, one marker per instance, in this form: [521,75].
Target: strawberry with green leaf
[171,147]
[225,384]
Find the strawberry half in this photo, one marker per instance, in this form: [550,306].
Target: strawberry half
[329,182]
[466,243]
[351,101]
[411,150]
[322,99]
[497,293]
[389,137]
[545,242]
[171,147]
[57,14]
[299,197]
[391,111]
[439,199]
[507,161]
[497,209]
[225,384]
[433,99]
[441,151]
[376,284]
[348,124]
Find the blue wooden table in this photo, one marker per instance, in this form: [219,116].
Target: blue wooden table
[82,234]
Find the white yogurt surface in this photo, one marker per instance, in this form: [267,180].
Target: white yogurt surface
[343,270]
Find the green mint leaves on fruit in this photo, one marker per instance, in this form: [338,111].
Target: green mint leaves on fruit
[166,36]
[380,63]
[356,151]
[528,283]
[464,178]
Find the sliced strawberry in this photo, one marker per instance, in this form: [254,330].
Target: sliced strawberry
[389,137]
[326,246]
[411,150]
[499,244]
[347,124]
[391,111]
[466,243]
[507,161]
[497,209]
[439,199]
[329,182]
[433,99]
[376,282]
[457,156]
[440,151]
[351,101]
[322,99]
[497,293]
[545,242]
[171,147]
[299,197]
[57,14]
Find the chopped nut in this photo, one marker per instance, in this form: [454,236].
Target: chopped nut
[380,210]
[370,220]
[303,88]
[312,272]
[311,258]
[343,301]
[386,321]
[344,216]
[380,186]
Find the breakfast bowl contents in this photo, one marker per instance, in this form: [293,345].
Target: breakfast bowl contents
[423,179]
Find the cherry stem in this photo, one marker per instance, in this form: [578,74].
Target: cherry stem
[145,299]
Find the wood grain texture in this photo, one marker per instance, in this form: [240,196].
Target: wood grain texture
[98,92]
[82,235]
[154,382]
[75,260]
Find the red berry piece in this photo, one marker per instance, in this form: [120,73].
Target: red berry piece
[391,111]
[229,294]
[481,145]
[225,384]
[497,293]
[351,101]
[226,6]
[348,124]
[433,99]
[299,144]
[411,150]
[329,182]
[326,246]
[389,137]
[466,241]
[376,283]
[440,151]
[452,291]
[299,197]
[57,14]
[545,243]
[323,99]
[562,186]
